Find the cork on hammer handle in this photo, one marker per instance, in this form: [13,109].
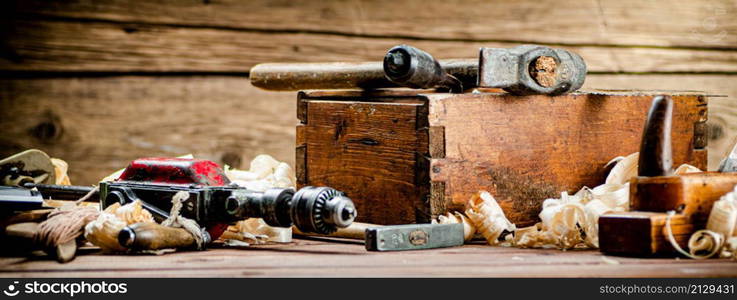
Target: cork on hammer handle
[152,236]
[656,155]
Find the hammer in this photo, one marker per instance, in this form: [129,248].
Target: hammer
[522,70]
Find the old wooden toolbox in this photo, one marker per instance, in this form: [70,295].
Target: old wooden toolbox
[405,156]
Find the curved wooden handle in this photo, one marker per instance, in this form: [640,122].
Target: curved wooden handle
[656,156]
[152,236]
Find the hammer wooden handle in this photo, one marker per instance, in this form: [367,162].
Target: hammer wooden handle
[152,236]
[343,75]
[656,155]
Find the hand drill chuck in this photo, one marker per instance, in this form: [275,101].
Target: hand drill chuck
[311,209]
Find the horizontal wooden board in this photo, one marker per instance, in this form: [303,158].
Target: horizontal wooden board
[681,23]
[64,46]
[99,124]
[314,258]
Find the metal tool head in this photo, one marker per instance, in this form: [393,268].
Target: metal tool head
[656,155]
[411,67]
[414,237]
[531,69]
[321,210]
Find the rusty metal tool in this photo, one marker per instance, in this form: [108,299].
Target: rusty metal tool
[213,202]
[414,237]
[522,70]
[64,192]
[411,67]
[531,69]
[343,75]
[657,191]
[13,199]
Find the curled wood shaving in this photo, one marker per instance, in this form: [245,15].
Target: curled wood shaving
[730,248]
[256,231]
[60,171]
[723,216]
[571,221]
[488,218]
[103,231]
[719,235]
[130,213]
[264,173]
[624,170]
[704,244]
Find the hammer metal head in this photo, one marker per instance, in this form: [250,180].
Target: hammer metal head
[531,69]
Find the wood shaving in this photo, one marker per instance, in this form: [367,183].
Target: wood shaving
[130,213]
[686,168]
[103,232]
[264,173]
[624,170]
[723,216]
[572,221]
[255,231]
[488,217]
[60,170]
[720,233]
[705,244]
[609,261]
[457,217]
[730,249]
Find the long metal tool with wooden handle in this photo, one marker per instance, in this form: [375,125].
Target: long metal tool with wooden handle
[343,75]
[521,70]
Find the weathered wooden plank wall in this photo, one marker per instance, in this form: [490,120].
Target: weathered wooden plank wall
[99,83]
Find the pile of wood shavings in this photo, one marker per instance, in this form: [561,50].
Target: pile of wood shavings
[264,173]
[568,222]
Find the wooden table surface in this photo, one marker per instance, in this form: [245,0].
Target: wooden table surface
[326,258]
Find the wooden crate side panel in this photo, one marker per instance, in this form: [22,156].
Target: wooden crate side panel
[526,149]
[373,152]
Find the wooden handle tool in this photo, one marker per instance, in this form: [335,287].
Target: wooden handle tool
[152,236]
[656,154]
[656,191]
[23,237]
